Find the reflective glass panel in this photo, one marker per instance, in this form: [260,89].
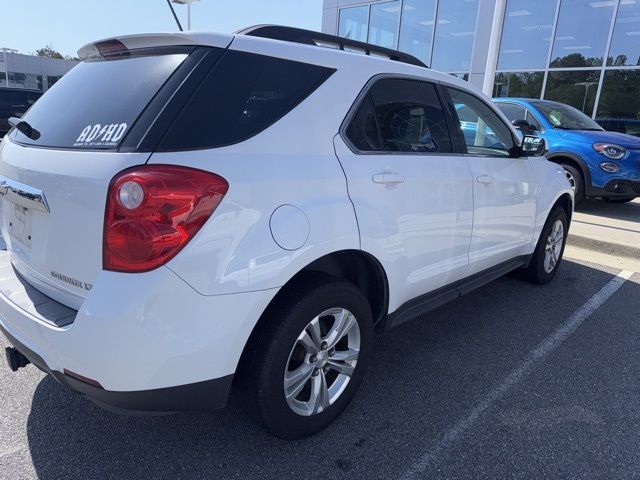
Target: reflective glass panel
[526,35]
[577,89]
[619,107]
[523,85]
[383,26]
[581,36]
[353,23]
[416,30]
[625,45]
[455,32]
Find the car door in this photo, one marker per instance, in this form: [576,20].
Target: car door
[504,188]
[412,195]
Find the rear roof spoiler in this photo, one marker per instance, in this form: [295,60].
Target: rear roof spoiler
[147,40]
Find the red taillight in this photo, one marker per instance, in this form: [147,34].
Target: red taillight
[153,211]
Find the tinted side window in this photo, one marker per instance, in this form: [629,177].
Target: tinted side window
[512,111]
[410,117]
[484,132]
[363,130]
[243,95]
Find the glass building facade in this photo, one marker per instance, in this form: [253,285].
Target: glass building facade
[582,52]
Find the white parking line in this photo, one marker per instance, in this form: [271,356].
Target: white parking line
[538,354]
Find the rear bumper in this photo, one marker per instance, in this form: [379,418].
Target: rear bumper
[207,395]
[145,342]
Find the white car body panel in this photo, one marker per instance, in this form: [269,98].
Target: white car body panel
[420,229]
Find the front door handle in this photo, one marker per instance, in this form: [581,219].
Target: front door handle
[388,178]
[487,179]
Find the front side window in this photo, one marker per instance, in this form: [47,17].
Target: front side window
[484,132]
[512,111]
[407,116]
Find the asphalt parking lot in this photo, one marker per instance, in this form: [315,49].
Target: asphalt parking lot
[512,381]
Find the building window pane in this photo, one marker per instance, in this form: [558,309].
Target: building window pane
[353,23]
[523,85]
[619,105]
[383,26]
[416,30]
[577,89]
[625,45]
[455,32]
[581,36]
[526,36]
[461,76]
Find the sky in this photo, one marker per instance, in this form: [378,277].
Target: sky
[67,25]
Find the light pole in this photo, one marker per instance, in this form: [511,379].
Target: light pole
[6,68]
[586,86]
[188,4]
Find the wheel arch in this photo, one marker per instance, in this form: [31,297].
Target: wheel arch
[355,266]
[575,161]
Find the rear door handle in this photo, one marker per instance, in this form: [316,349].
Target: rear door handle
[486,179]
[388,178]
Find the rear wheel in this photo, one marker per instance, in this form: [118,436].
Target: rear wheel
[309,359]
[577,182]
[619,200]
[550,249]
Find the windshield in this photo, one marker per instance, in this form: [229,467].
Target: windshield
[94,105]
[566,117]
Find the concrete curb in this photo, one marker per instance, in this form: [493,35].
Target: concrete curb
[602,246]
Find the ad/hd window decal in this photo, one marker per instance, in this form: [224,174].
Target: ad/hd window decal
[99,135]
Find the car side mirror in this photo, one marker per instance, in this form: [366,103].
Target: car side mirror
[523,126]
[533,146]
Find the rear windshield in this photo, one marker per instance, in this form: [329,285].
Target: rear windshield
[96,103]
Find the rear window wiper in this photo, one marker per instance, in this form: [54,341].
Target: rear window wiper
[25,128]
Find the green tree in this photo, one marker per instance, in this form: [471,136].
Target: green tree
[48,51]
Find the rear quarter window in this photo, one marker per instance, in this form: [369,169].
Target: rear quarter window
[241,96]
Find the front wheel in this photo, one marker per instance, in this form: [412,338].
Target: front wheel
[309,358]
[576,181]
[550,249]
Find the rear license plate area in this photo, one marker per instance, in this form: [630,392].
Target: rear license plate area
[20,225]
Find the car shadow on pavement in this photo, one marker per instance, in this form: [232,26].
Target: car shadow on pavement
[425,375]
[619,211]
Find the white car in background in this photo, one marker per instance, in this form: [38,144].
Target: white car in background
[187,212]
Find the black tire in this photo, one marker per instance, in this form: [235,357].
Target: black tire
[262,383]
[578,179]
[619,200]
[536,272]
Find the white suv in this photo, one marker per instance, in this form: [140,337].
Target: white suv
[189,212]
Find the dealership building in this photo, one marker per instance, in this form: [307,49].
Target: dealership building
[582,52]
[31,71]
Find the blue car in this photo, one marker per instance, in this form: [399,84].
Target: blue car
[598,163]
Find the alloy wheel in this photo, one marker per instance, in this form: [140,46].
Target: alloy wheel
[322,361]
[553,248]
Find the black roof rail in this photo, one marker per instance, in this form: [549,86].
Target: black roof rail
[309,37]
